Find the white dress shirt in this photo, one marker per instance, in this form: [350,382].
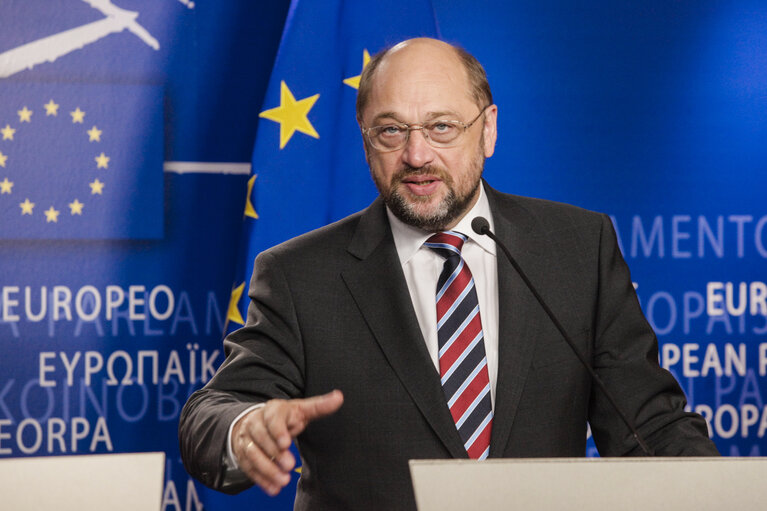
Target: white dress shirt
[422,267]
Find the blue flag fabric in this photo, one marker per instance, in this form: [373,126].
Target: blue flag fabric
[309,167]
[81,161]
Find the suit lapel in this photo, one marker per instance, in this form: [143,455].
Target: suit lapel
[519,318]
[378,287]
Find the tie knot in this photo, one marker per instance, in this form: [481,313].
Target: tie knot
[446,243]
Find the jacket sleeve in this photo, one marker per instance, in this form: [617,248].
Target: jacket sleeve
[626,359]
[264,360]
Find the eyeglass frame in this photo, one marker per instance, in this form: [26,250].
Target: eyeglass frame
[421,126]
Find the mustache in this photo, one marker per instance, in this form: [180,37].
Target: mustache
[431,170]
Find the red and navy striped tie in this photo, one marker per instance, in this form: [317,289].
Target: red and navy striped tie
[462,359]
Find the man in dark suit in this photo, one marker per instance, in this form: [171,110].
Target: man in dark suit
[344,349]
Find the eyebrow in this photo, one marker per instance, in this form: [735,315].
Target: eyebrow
[429,116]
[387,115]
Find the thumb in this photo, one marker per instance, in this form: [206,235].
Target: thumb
[312,408]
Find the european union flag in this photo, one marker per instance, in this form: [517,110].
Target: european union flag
[81,161]
[309,167]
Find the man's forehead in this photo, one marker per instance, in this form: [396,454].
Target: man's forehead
[432,77]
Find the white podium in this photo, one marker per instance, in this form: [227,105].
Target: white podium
[590,483]
[114,482]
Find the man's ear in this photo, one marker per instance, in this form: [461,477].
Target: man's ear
[490,130]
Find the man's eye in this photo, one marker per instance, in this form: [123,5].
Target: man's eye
[390,130]
[441,127]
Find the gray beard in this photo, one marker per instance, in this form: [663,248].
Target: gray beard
[449,210]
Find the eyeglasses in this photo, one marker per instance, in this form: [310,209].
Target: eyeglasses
[438,133]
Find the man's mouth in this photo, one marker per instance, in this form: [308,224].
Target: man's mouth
[421,185]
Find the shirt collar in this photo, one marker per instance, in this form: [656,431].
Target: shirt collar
[408,239]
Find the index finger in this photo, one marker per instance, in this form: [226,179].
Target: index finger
[311,408]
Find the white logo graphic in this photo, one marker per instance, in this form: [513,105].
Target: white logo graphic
[52,47]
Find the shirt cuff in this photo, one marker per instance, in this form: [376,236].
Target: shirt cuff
[231,461]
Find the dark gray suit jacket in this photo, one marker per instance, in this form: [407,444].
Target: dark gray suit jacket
[331,310]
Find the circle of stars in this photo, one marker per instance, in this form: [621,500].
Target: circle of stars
[7,136]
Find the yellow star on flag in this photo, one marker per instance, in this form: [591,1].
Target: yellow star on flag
[94,134]
[26,207]
[102,161]
[97,187]
[354,81]
[3,159]
[5,186]
[25,114]
[7,132]
[77,116]
[292,115]
[51,215]
[51,108]
[76,207]
[234,311]
[249,209]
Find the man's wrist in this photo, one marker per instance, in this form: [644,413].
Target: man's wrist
[230,459]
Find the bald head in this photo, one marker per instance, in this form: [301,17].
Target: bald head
[415,60]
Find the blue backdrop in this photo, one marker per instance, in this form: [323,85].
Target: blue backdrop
[126,186]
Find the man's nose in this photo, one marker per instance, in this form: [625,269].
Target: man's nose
[417,152]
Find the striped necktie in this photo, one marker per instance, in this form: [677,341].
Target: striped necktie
[462,360]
